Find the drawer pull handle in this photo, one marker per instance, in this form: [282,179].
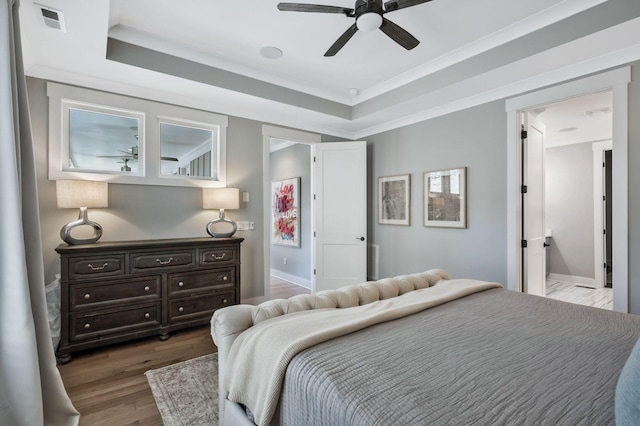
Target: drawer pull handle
[180,284]
[180,309]
[147,288]
[218,257]
[146,315]
[87,296]
[224,300]
[225,278]
[87,326]
[97,268]
[164,262]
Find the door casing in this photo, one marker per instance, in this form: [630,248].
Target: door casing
[617,81]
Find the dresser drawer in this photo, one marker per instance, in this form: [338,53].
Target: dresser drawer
[109,292]
[89,326]
[197,307]
[217,256]
[96,267]
[194,282]
[162,260]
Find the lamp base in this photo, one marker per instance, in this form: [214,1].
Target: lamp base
[221,219]
[65,232]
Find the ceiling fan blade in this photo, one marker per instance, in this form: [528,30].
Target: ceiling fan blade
[130,157]
[399,34]
[303,7]
[342,40]
[169,158]
[390,6]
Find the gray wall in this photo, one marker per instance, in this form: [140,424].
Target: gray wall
[634,190]
[290,162]
[139,212]
[569,209]
[475,138]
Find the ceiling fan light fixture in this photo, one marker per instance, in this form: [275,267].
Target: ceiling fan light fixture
[369,21]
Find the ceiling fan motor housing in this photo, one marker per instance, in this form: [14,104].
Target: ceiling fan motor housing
[368,14]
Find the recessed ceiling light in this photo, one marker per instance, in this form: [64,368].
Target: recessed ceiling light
[271,52]
[568,129]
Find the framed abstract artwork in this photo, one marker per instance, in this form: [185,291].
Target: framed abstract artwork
[285,212]
[394,200]
[445,198]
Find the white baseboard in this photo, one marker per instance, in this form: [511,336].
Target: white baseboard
[291,278]
[587,282]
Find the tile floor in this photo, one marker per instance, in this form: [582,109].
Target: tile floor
[570,292]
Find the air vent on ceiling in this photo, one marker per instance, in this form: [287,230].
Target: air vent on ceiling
[53,18]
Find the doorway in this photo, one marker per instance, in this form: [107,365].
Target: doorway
[291,266]
[286,137]
[574,135]
[339,182]
[616,81]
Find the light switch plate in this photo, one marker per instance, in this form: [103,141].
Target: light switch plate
[243,225]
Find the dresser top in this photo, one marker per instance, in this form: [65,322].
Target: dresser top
[147,244]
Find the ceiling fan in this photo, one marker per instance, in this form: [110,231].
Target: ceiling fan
[369,17]
[131,154]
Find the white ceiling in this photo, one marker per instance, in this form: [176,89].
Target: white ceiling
[232,33]
[584,119]
[395,86]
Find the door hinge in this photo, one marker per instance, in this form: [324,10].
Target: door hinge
[523,189]
[314,196]
[604,232]
[314,271]
[523,134]
[604,198]
[605,266]
[314,234]
[524,243]
[314,158]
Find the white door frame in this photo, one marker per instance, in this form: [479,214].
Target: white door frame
[616,81]
[598,210]
[268,133]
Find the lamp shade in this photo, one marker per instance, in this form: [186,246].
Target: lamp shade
[221,198]
[81,193]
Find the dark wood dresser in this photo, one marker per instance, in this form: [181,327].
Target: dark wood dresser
[117,291]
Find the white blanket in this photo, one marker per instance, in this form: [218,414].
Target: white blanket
[259,357]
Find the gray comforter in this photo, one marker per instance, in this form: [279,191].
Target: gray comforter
[492,358]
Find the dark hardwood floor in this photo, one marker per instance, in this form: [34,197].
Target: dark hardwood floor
[108,386]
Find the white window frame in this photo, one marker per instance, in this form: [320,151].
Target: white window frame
[61,97]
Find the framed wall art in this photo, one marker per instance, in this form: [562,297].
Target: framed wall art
[445,198]
[285,212]
[394,200]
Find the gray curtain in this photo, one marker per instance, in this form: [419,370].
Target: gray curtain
[31,390]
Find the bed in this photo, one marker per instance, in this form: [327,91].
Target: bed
[426,349]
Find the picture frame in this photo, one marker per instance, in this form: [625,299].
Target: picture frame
[285,212]
[445,198]
[394,200]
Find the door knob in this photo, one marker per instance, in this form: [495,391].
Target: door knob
[360,238]
[545,245]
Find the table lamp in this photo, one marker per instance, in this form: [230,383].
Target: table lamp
[221,198]
[81,194]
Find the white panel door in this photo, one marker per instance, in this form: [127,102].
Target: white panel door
[340,191]
[534,225]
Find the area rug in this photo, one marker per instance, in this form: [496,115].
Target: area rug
[186,393]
